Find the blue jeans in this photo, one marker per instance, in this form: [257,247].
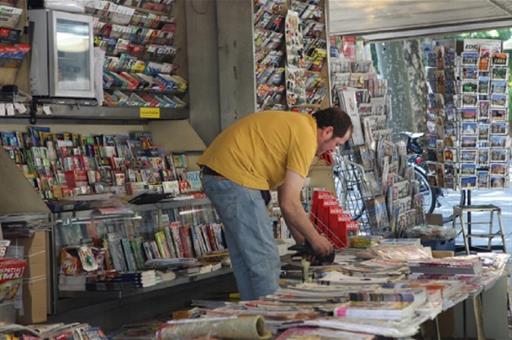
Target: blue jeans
[249,236]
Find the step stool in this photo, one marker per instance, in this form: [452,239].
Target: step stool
[459,211]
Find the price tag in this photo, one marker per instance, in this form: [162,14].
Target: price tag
[149,112]
[9,107]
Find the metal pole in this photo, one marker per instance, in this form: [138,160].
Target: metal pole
[468,203]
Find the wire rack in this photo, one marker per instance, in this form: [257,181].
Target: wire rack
[352,188]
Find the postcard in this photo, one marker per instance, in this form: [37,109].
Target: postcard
[468,141]
[470,58]
[449,170]
[499,155]
[499,73]
[469,128]
[483,109]
[469,72]
[450,155]
[483,179]
[468,113]
[450,112]
[483,96]
[483,156]
[470,86]
[483,131]
[498,114]
[499,59]
[499,127]
[499,99]
[498,141]
[449,182]
[468,156]
[468,182]
[497,182]
[467,169]
[498,169]
[483,144]
[483,85]
[499,86]
[484,61]
[469,99]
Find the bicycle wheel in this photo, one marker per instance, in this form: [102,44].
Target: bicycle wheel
[349,192]
[429,194]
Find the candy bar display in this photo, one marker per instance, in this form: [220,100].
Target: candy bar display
[311,14]
[140,67]
[269,18]
[290,54]
[295,81]
[62,165]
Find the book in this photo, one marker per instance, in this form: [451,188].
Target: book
[175,232]
[154,250]
[186,241]
[162,244]
[147,250]
[170,242]
[195,241]
[116,252]
[128,255]
[136,244]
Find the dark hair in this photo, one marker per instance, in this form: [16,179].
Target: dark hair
[336,118]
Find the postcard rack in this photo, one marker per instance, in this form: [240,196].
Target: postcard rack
[467,125]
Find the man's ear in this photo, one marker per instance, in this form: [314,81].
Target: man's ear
[327,132]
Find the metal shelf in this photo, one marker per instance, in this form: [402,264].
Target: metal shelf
[126,115]
[166,204]
[173,203]
[119,294]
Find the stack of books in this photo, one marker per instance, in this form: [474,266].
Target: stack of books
[124,281]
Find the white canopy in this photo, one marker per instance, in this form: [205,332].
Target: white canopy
[391,19]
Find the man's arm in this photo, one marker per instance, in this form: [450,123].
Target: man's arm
[295,216]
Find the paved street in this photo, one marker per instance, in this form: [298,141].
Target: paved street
[501,198]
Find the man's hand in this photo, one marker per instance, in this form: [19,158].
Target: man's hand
[295,216]
[321,245]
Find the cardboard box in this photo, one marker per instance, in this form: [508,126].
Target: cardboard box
[434,219]
[35,252]
[35,302]
[35,282]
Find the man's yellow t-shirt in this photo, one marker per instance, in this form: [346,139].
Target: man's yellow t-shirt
[256,151]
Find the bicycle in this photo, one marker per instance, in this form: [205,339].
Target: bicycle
[434,198]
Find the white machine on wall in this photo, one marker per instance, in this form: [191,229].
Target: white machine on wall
[62,54]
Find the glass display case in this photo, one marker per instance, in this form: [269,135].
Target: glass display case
[90,245]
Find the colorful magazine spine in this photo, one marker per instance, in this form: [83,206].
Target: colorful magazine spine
[170,242]
[128,255]
[162,244]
